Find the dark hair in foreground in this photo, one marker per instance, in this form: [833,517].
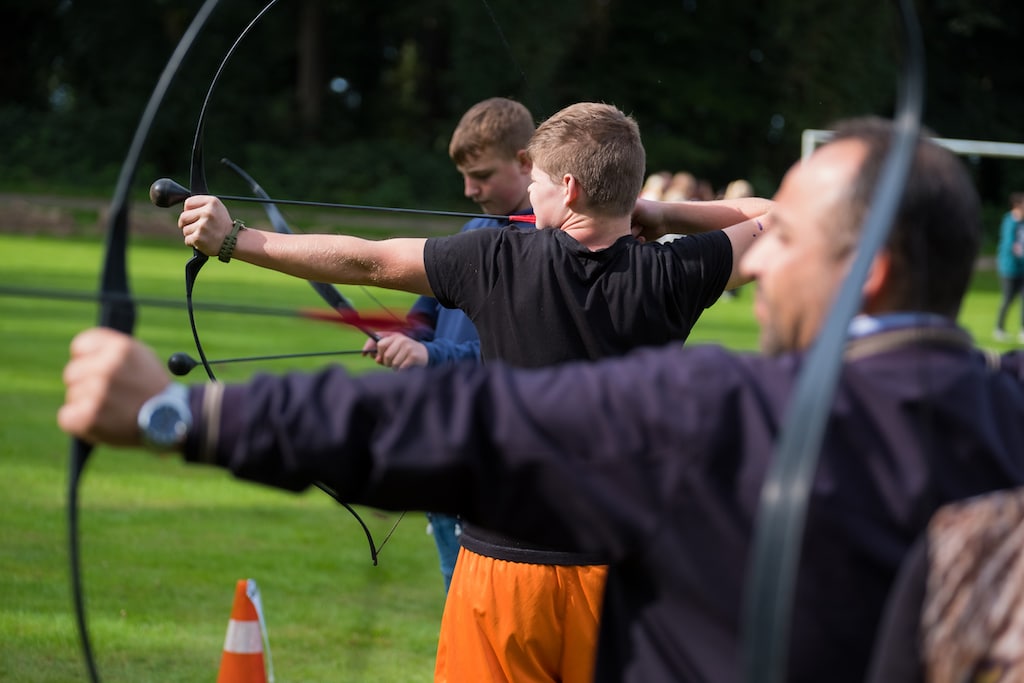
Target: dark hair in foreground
[937,231]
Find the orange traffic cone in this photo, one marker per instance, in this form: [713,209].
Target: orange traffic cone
[246,640]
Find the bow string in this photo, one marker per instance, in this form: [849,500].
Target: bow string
[197,184]
[328,292]
[336,300]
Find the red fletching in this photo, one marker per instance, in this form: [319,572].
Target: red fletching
[377,321]
[525,218]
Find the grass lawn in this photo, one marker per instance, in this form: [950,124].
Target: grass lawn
[164,543]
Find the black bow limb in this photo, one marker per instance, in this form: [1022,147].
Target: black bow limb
[117,310]
[787,487]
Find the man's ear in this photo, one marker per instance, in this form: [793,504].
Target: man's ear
[571,190]
[524,161]
[878,285]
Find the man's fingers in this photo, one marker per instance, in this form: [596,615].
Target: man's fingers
[84,379]
[108,377]
[91,340]
[400,357]
[82,399]
[398,351]
[195,201]
[372,346]
[71,420]
[386,350]
[204,223]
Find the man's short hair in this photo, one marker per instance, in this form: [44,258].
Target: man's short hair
[600,147]
[936,233]
[497,124]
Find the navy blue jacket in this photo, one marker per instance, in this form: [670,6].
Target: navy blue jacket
[657,459]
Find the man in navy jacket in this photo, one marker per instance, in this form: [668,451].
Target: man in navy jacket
[657,459]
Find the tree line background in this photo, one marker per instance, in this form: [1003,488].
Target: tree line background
[354,101]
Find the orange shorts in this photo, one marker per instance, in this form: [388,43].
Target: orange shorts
[516,622]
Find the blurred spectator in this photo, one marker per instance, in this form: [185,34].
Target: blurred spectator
[681,188]
[654,186]
[703,191]
[1010,263]
[737,189]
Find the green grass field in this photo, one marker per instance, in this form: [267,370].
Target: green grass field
[164,543]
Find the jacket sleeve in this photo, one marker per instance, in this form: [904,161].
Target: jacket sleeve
[441,351]
[582,454]
[422,318]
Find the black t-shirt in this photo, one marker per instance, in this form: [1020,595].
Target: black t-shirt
[539,297]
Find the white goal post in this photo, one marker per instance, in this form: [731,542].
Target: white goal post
[812,138]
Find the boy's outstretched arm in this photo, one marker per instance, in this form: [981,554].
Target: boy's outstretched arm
[340,259]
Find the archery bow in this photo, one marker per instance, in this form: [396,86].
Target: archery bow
[787,487]
[329,293]
[118,312]
[181,364]
[197,183]
[336,300]
[165,193]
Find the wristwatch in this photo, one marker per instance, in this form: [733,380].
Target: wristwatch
[164,420]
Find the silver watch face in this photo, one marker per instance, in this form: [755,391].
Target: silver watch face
[164,420]
[167,426]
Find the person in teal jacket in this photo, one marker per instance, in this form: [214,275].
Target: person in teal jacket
[1010,263]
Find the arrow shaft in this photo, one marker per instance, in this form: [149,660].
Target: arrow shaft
[285,356]
[365,207]
[54,294]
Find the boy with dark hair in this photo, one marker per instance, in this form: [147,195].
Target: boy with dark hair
[488,148]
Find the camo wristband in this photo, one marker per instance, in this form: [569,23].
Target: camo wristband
[228,247]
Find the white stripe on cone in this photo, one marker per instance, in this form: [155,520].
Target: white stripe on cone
[243,638]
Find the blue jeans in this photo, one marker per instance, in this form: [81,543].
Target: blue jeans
[445,530]
[1012,288]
